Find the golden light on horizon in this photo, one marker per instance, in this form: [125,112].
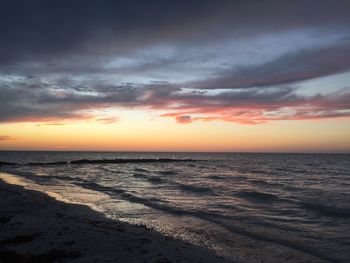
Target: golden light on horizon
[137,131]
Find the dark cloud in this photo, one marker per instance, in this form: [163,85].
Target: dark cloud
[289,68]
[38,29]
[196,60]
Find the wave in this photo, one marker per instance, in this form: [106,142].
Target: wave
[195,189]
[259,171]
[257,196]
[98,187]
[216,218]
[294,170]
[40,178]
[140,200]
[110,170]
[7,163]
[331,211]
[152,179]
[228,177]
[167,172]
[269,184]
[142,170]
[150,202]
[239,178]
[217,177]
[138,175]
[165,160]
[103,161]
[276,185]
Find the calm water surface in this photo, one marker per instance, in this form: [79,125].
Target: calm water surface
[298,200]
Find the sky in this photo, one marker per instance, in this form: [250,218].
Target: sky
[237,76]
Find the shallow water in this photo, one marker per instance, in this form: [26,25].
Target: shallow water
[297,200]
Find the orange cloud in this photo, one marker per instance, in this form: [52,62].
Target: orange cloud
[6,138]
[107,120]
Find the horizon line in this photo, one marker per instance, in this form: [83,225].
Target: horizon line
[212,152]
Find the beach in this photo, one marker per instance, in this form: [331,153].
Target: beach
[175,131]
[131,207]
[37,228]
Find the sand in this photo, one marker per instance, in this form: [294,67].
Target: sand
[37,228]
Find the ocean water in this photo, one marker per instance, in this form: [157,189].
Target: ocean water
[301,201]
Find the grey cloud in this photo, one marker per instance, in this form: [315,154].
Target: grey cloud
[289,68]
[42,30]
[55,56]
[17,104]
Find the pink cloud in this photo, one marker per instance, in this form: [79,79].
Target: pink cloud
[315,108]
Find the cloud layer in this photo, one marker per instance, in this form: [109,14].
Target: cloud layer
[191,60]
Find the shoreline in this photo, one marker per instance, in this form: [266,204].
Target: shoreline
[37,228]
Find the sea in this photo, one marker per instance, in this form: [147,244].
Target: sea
[299,201]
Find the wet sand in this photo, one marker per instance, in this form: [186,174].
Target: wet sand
[37,228]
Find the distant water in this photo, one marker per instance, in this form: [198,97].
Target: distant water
[297,200]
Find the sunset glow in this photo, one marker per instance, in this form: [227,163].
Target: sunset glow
[175,131]
[222,81]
